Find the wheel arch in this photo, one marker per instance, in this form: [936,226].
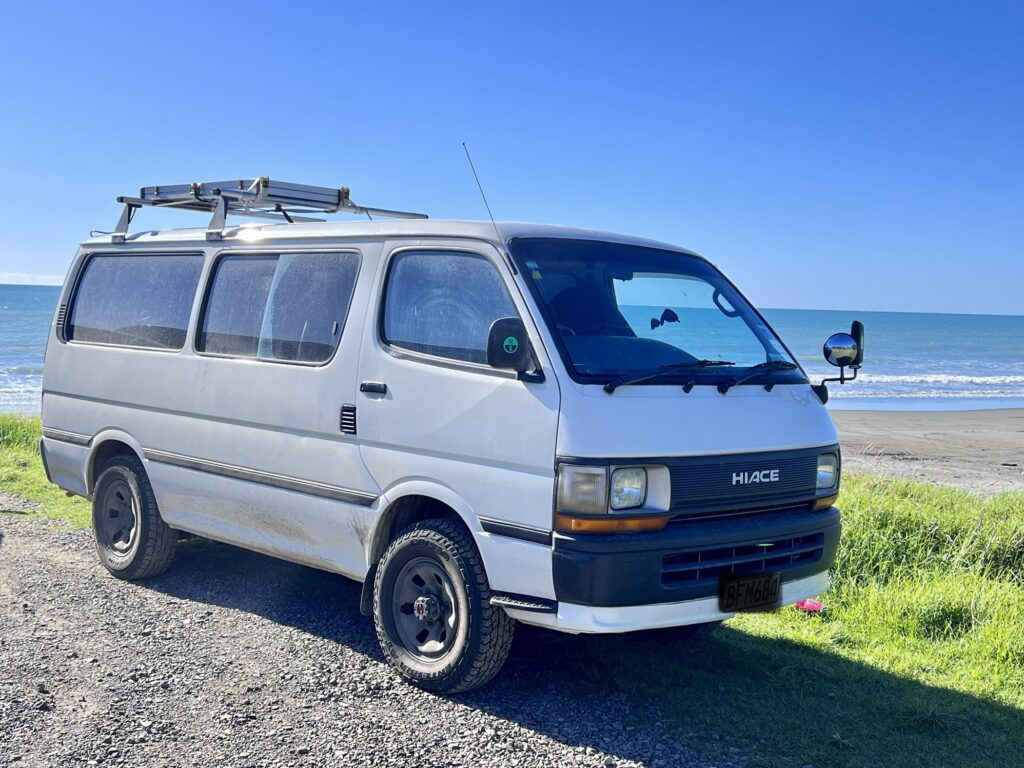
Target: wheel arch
[104,446]
[404,505]
[412,503]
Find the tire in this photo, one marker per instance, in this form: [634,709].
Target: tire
[132,540]
[432,610]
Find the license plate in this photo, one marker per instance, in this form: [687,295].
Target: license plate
[753,592]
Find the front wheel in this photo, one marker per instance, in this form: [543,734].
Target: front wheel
[432,611]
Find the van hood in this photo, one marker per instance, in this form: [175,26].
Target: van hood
[662,420]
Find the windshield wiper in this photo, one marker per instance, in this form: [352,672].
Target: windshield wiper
[622,381]
[757,371]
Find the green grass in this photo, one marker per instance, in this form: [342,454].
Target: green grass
[21,473]
[918,659]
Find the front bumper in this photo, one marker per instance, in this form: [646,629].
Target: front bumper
[585,619]
[684,561]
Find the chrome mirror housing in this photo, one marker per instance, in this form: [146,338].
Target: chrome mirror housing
[841,350]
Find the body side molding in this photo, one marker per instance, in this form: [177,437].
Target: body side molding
[75,438]
[515,530]
[264,478]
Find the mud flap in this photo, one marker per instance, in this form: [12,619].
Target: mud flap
[366,596]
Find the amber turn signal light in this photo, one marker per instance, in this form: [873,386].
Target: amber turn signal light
[568,524]
[825,502]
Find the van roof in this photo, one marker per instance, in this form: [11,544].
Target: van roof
[378,229]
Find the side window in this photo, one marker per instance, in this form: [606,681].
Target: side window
[289,307]
[235,302]
[307,307]
[443,304]
[135,301]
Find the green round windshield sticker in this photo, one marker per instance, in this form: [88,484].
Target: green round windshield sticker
[511,344]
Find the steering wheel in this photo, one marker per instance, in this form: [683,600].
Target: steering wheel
[453,312]
[565,330]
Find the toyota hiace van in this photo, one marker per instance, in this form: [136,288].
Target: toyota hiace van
[483,423]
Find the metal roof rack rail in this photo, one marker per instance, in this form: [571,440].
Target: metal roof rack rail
[258,197]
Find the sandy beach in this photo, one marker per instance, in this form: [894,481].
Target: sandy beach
[981,451]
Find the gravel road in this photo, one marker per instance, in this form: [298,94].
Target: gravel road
[235,659]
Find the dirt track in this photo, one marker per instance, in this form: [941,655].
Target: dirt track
[235,659]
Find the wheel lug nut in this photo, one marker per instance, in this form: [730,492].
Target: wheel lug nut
[426,608]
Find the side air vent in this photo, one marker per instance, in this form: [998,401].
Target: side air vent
[348,419]
[62,315]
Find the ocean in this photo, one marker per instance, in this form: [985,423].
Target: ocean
[26,312]
[913,362]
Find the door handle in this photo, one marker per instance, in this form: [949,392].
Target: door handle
[374,387]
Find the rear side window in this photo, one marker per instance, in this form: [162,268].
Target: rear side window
[443,304]
[288,307]
[135,301]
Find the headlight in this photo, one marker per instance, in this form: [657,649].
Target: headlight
[828,471]
[583,489]
[629,488]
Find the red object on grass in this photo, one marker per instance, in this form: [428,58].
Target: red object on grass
[811,605]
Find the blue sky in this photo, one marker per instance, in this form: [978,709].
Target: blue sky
[864,155]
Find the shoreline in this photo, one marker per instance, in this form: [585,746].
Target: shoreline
[981,451]
[925,405]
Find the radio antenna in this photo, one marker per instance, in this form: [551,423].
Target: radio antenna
[481,188]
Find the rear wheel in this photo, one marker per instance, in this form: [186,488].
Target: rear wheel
[132,540]
[432,611]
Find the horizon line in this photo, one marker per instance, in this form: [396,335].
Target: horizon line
[56,281]
[27,278]
[890,311]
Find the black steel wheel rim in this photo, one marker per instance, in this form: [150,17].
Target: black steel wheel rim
[118,512]
[424,609]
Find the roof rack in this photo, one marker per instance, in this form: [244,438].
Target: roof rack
[259,197]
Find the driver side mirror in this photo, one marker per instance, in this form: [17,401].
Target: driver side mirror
[508,347]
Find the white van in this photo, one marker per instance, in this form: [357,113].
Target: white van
[482,423]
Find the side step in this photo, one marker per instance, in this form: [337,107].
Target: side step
[525,603]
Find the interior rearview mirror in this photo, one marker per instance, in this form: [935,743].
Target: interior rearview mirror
[508,346]
[668,316]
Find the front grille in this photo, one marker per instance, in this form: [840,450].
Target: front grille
[697,515]
[710,486]
[706,565]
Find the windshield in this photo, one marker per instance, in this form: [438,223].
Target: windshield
[622,310]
